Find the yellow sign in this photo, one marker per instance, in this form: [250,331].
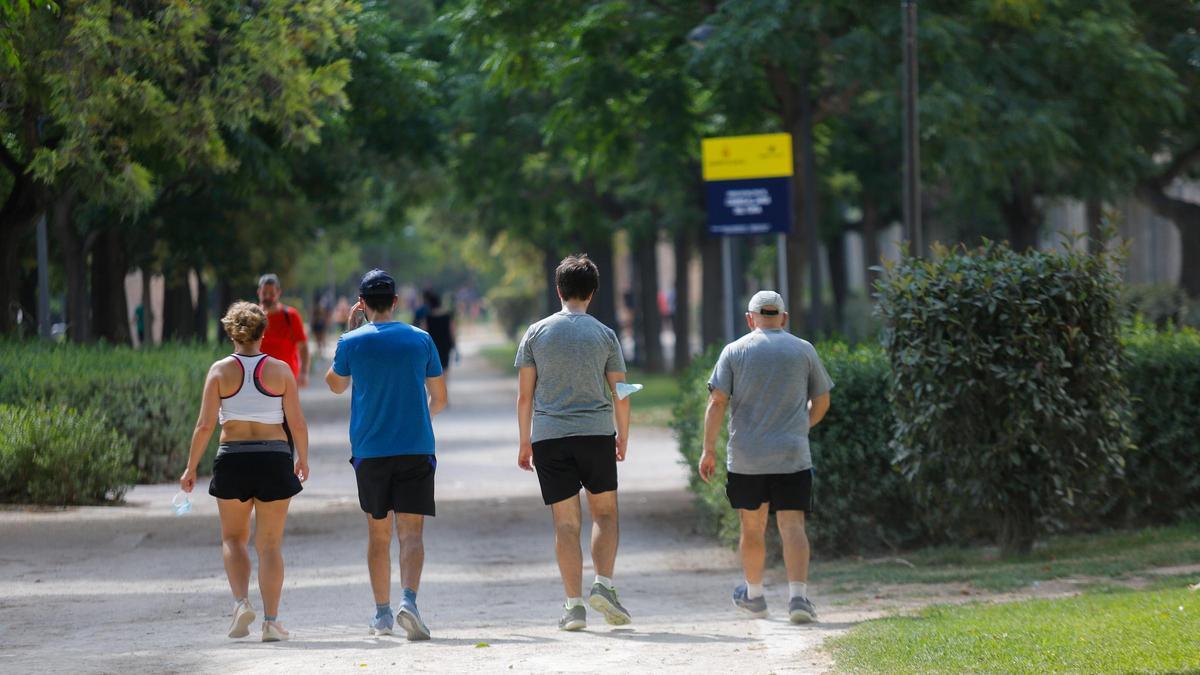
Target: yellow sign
[739,157]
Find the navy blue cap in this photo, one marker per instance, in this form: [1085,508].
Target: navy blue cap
[377,282]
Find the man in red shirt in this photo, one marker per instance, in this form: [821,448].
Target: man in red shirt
[285,338]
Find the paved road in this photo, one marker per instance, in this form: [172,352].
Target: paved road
[135,589]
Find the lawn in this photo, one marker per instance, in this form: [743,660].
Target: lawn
[650,407]
[1102,557]
[1114,631]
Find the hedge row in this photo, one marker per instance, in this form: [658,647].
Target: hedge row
[863,503]
[150,398]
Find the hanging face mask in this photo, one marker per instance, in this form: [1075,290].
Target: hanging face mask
[624,390]
[181,503]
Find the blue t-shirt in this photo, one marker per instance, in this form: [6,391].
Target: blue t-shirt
[389,408]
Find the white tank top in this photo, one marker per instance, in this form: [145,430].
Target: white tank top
[252,402]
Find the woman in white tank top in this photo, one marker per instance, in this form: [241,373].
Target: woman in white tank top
[261,461]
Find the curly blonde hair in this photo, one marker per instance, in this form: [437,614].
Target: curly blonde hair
[244,322]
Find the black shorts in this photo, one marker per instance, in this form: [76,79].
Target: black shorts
[265,476]
[400,483]
[564,465]
[784,491]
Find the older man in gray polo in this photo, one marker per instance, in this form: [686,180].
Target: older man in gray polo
[776,390]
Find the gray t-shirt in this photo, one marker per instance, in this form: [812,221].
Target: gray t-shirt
[770,376]
[572,353]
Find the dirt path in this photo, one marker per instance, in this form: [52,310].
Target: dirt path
[135,589]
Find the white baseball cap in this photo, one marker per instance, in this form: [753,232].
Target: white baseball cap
[769,299]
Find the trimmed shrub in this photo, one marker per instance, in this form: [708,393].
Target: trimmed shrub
[1006,389]
[1162,471]
[151,397]
[861,501]
[55,455]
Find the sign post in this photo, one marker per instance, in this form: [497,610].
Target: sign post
[748,191]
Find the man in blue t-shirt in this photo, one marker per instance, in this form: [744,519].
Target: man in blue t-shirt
[398,387]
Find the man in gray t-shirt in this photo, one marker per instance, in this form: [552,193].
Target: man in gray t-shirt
[570,365]
[776,390]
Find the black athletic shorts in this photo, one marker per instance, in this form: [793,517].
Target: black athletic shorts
[247,474]
[784,491]
[400,483]
[566,464]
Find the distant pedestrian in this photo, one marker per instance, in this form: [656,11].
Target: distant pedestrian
[285,338]
[439,323]
[777,390]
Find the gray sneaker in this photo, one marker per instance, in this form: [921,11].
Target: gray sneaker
[757,607]
[801,610]
[573,618]
[604,600]
[410,620]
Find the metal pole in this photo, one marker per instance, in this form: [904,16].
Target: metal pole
[43,276]
[912,152]
[727,277]
[781,263]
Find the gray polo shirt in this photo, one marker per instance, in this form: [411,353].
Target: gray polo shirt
[572,354]
[770,376]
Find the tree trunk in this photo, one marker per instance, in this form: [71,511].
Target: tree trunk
[712,301]
[201,330]
[179,318]
[110,311]
[1018,529]
[812,218]
[645,262]
[604,304]
[224,300]
[837,277]
[681,317]
[147,309]
[74,252]
[1094,214]
[550,262]
[870,235]
[20,211]
[1186,216]
[1024,220]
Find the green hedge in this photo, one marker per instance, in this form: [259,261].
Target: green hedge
[1006,385]
[55,455]
[150,397]
[861,501]
[1162,472]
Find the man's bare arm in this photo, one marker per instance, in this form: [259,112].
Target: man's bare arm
[817,408]
[714,417]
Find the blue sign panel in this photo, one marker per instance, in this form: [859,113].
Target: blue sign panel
[751,206]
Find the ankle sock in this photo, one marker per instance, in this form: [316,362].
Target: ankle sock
[798,589]
[382,610]
[754,590]
[574,602]
[604,581]
[270,617]
[410,596]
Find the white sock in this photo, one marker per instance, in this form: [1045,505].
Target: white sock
[798,589]
[754,590]
[604,581]
[574,602]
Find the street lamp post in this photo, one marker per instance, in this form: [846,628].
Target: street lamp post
[912,153]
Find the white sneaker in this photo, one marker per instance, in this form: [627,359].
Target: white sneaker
[243,616]
[274,632]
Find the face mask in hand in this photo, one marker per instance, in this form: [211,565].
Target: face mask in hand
[624,390]
[181,503]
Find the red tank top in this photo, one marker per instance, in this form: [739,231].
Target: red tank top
[285,332]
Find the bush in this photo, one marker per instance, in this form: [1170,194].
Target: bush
[1006,387]
[1162,472]
[55,455]
[861,501]
[150,397]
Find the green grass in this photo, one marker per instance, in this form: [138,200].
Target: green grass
[651,406]
[1107,556]
[1098,632]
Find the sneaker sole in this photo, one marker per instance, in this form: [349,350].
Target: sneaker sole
[379,631]
[612,615]
[274,638]
[800,616]
[572,626]
[753,613]
[412,627]
[241,625]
